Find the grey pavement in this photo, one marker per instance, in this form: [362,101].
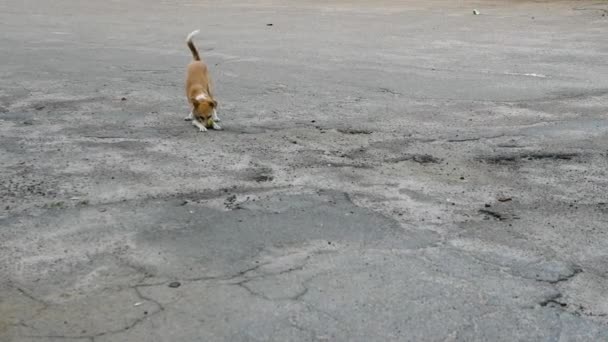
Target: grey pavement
[389,171]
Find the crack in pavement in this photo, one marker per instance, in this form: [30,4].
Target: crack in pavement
[477,138]
[242,273]
[506,269]
[561,278]
[193,196]
[91,337]
[553,299]
[30,296]
[136,322]
[44,306]
[244,276]
[296,297]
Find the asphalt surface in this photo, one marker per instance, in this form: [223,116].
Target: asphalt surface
[389,171]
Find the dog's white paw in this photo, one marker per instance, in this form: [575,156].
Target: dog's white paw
[215,117]
[189,117]
[217,127]
[199,125]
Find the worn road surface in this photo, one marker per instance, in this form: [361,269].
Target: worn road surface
[389,171]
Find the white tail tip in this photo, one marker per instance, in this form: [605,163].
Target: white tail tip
[192,34]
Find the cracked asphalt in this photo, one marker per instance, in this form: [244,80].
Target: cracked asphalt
[389,171]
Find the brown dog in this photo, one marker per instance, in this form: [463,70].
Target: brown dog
[198,91]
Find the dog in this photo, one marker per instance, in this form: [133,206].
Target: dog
[198,90]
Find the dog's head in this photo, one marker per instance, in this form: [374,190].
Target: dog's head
[204,106]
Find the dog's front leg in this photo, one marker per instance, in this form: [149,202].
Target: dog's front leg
[215,117]
[190,116]
[216,126]
[200,126]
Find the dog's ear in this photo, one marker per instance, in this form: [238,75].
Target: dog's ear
[194,101]
[213,104]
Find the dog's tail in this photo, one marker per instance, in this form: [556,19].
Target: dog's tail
[191,45]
